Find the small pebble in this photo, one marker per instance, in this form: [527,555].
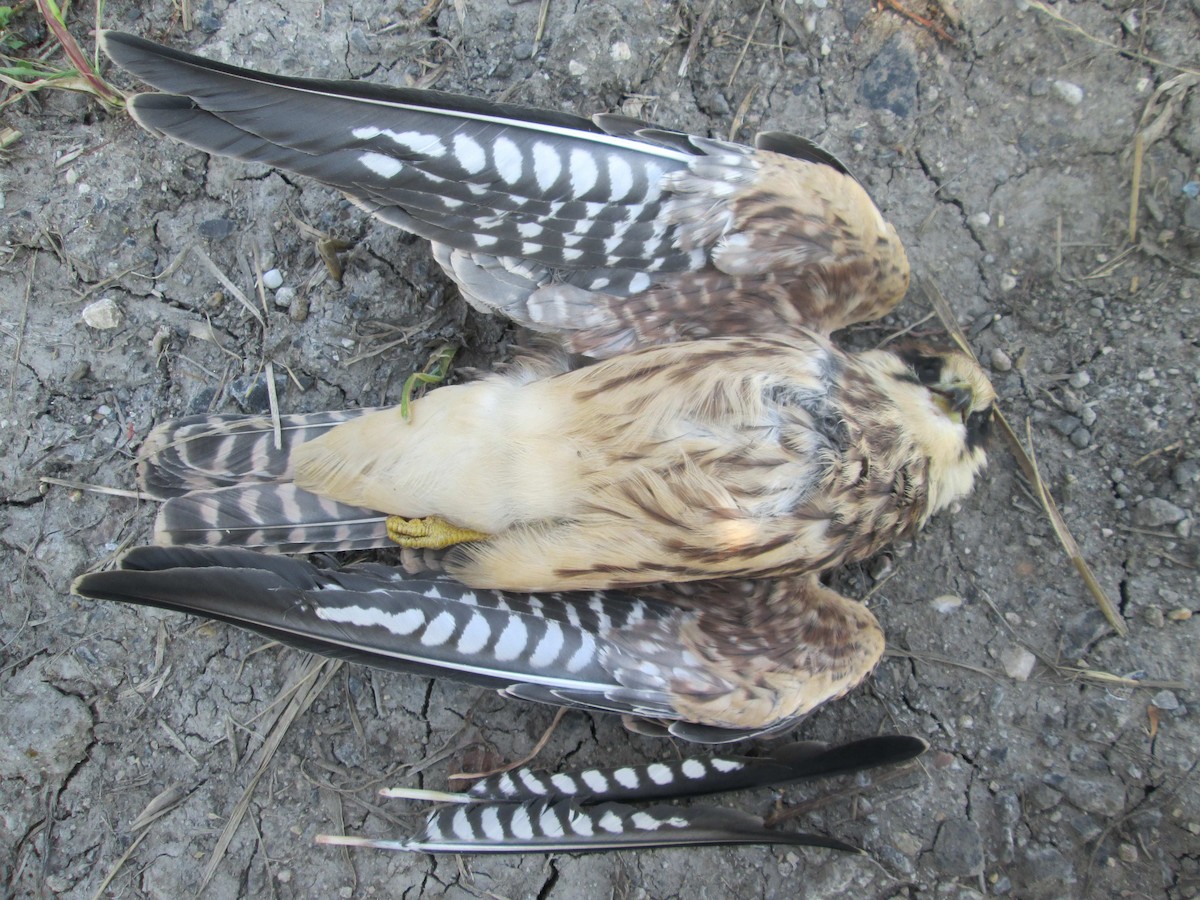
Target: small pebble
[1065,425]
[620,52]
[1153,616]
[979,220]
[284,296]
[272,279]
[1007,282]
[1155,512]
[1081,438]
[1128,853]
[947,603]
[1166,700]
[1018,663]
[1179,615]
[1001,362]
[1080,379]
[1068,91]
[103,314]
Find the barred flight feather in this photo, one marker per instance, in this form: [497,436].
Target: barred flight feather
[611,208]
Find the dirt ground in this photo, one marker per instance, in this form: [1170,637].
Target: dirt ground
[1003,156]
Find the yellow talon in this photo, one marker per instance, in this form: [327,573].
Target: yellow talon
[430,533]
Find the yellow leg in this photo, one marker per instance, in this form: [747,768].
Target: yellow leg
[430,533]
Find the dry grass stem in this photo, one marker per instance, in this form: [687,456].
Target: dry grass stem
[102,889]
[1117,48]
[694,42]
[91,488]
[537,748]
[740,116]
[746,44]
[273,402]
[1028,465]
[317,676]
[226,283]
[1135,185]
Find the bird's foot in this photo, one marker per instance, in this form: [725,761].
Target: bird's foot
[430,533]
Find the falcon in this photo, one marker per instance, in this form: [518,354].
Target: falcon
[607,233]
[700,464]
[642,535]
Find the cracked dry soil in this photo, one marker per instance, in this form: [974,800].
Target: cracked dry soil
[1003,158]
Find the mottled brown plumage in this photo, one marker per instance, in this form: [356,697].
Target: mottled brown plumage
[703,464]
[731,457]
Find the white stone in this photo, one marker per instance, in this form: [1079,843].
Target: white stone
[272,279]
[947,603]
[103,314]
[620,51]
[1018,663]
[1069,92]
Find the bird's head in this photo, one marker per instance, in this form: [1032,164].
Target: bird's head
[950,416]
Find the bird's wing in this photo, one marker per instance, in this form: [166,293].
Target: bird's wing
[539,826]
[527,811]
[609,233]
[691,776]
[694,669]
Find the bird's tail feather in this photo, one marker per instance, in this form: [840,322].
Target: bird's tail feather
[538,812]
[282,518]
[206,452]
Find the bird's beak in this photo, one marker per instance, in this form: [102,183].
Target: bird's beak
[955,399]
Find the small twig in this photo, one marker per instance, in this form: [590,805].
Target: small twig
[740,116]
[1029,466]
[543,14]
[1076,29]
[273,402]
[903,331]
[317,676]
[1135,188]
[1170,448]
[92,488]
[927,24]
[116,866]
[746,46]
[537,748]
[12,378]
[227,284]
[816,803]
[694,43]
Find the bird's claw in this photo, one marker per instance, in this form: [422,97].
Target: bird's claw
[429,533]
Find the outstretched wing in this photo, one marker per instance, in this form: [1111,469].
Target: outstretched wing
[714,663]
[609,233]
[538,812]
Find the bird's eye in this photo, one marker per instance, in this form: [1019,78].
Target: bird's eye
[928,369]
[979,427]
